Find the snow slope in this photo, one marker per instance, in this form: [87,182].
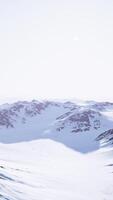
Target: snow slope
[47,170]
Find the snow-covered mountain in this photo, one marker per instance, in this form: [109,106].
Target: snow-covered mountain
[71,123]
[56,150]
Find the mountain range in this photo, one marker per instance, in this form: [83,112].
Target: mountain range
[68,122]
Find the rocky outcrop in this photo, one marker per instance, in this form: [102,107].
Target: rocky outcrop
[80,120]
[107,136]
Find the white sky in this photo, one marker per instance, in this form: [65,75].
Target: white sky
[56,49]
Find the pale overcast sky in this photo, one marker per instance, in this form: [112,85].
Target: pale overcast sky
[56,49]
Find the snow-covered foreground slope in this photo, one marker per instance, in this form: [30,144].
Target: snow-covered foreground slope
[47,170]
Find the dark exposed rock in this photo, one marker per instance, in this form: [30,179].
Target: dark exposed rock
[107,135]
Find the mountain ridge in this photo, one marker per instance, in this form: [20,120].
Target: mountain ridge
[66,122]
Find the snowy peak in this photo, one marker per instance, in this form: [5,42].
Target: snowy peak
[70,123]
[10,114]
[79,117]
[80,120]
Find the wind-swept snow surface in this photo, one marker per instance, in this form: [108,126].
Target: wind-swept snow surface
[47,170]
